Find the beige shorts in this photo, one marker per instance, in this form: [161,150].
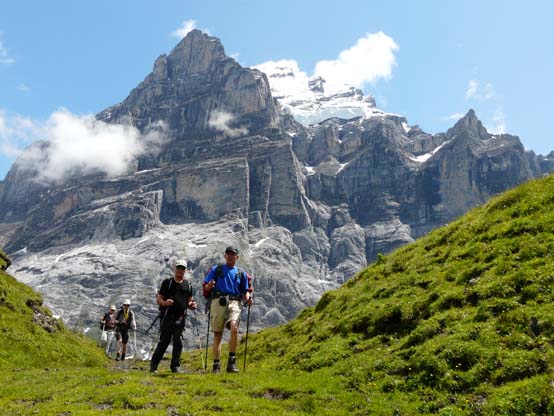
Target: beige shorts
[221,316]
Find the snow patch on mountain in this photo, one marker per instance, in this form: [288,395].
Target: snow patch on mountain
[311,100]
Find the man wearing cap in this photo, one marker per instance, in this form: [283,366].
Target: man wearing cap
[125,319]
[174,298]
[225,285]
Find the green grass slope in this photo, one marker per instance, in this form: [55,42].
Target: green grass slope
[460,322]
[31,337]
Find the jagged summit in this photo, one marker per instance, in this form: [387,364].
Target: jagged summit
[469,124]
[198,91]
[196,53]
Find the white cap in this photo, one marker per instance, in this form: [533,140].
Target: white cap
[127,302]
[181,263]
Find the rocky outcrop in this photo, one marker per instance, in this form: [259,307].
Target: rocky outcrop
[188,88]
[309,205]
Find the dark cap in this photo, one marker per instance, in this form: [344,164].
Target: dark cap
[232,249]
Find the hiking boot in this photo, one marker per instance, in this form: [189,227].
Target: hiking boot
[122,357]
[153,367]
[232,365]
[118,357]
[176,370]
[217,368]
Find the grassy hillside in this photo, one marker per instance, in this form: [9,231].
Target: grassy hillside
[461,322]
[30,337]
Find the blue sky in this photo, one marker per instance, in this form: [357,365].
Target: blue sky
[494,56]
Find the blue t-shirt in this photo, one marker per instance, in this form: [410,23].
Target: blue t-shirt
[228,283]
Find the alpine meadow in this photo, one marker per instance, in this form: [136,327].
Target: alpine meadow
[458,323]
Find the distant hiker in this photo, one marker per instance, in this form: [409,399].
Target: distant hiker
[174,298]
[125,319]
[107,323]
[225,286]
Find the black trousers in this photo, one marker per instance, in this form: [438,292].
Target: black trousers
[170,330]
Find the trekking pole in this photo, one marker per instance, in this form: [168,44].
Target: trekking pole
[184,326]
[135,355]
[199,339]
[246,342]
[208,335]
[152,324]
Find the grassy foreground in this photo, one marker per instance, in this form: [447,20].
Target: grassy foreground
[133,391]
[459,323]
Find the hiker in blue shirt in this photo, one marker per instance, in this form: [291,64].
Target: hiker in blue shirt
[226,286]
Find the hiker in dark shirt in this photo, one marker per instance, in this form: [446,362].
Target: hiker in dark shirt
[174,298]
[124,319]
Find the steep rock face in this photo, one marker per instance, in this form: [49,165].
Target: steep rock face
[472,160]
[19,192]
[189,86]
[309,206]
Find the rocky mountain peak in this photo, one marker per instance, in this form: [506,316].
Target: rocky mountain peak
[469,125]
[197,52]
[316,85]
[193,90]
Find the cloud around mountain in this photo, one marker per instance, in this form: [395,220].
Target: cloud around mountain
[76,143]
[371,59]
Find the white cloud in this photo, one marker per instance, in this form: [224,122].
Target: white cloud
[453,117]
[221,121]
[23,88]
[286,78]
[488,93]
[498,124]
[184,29]
[472,88]
[16,132]
[76,144]
[4,57]
[479,92]
[488,100]
[370,59]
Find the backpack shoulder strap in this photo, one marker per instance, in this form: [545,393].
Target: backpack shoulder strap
[218,272]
